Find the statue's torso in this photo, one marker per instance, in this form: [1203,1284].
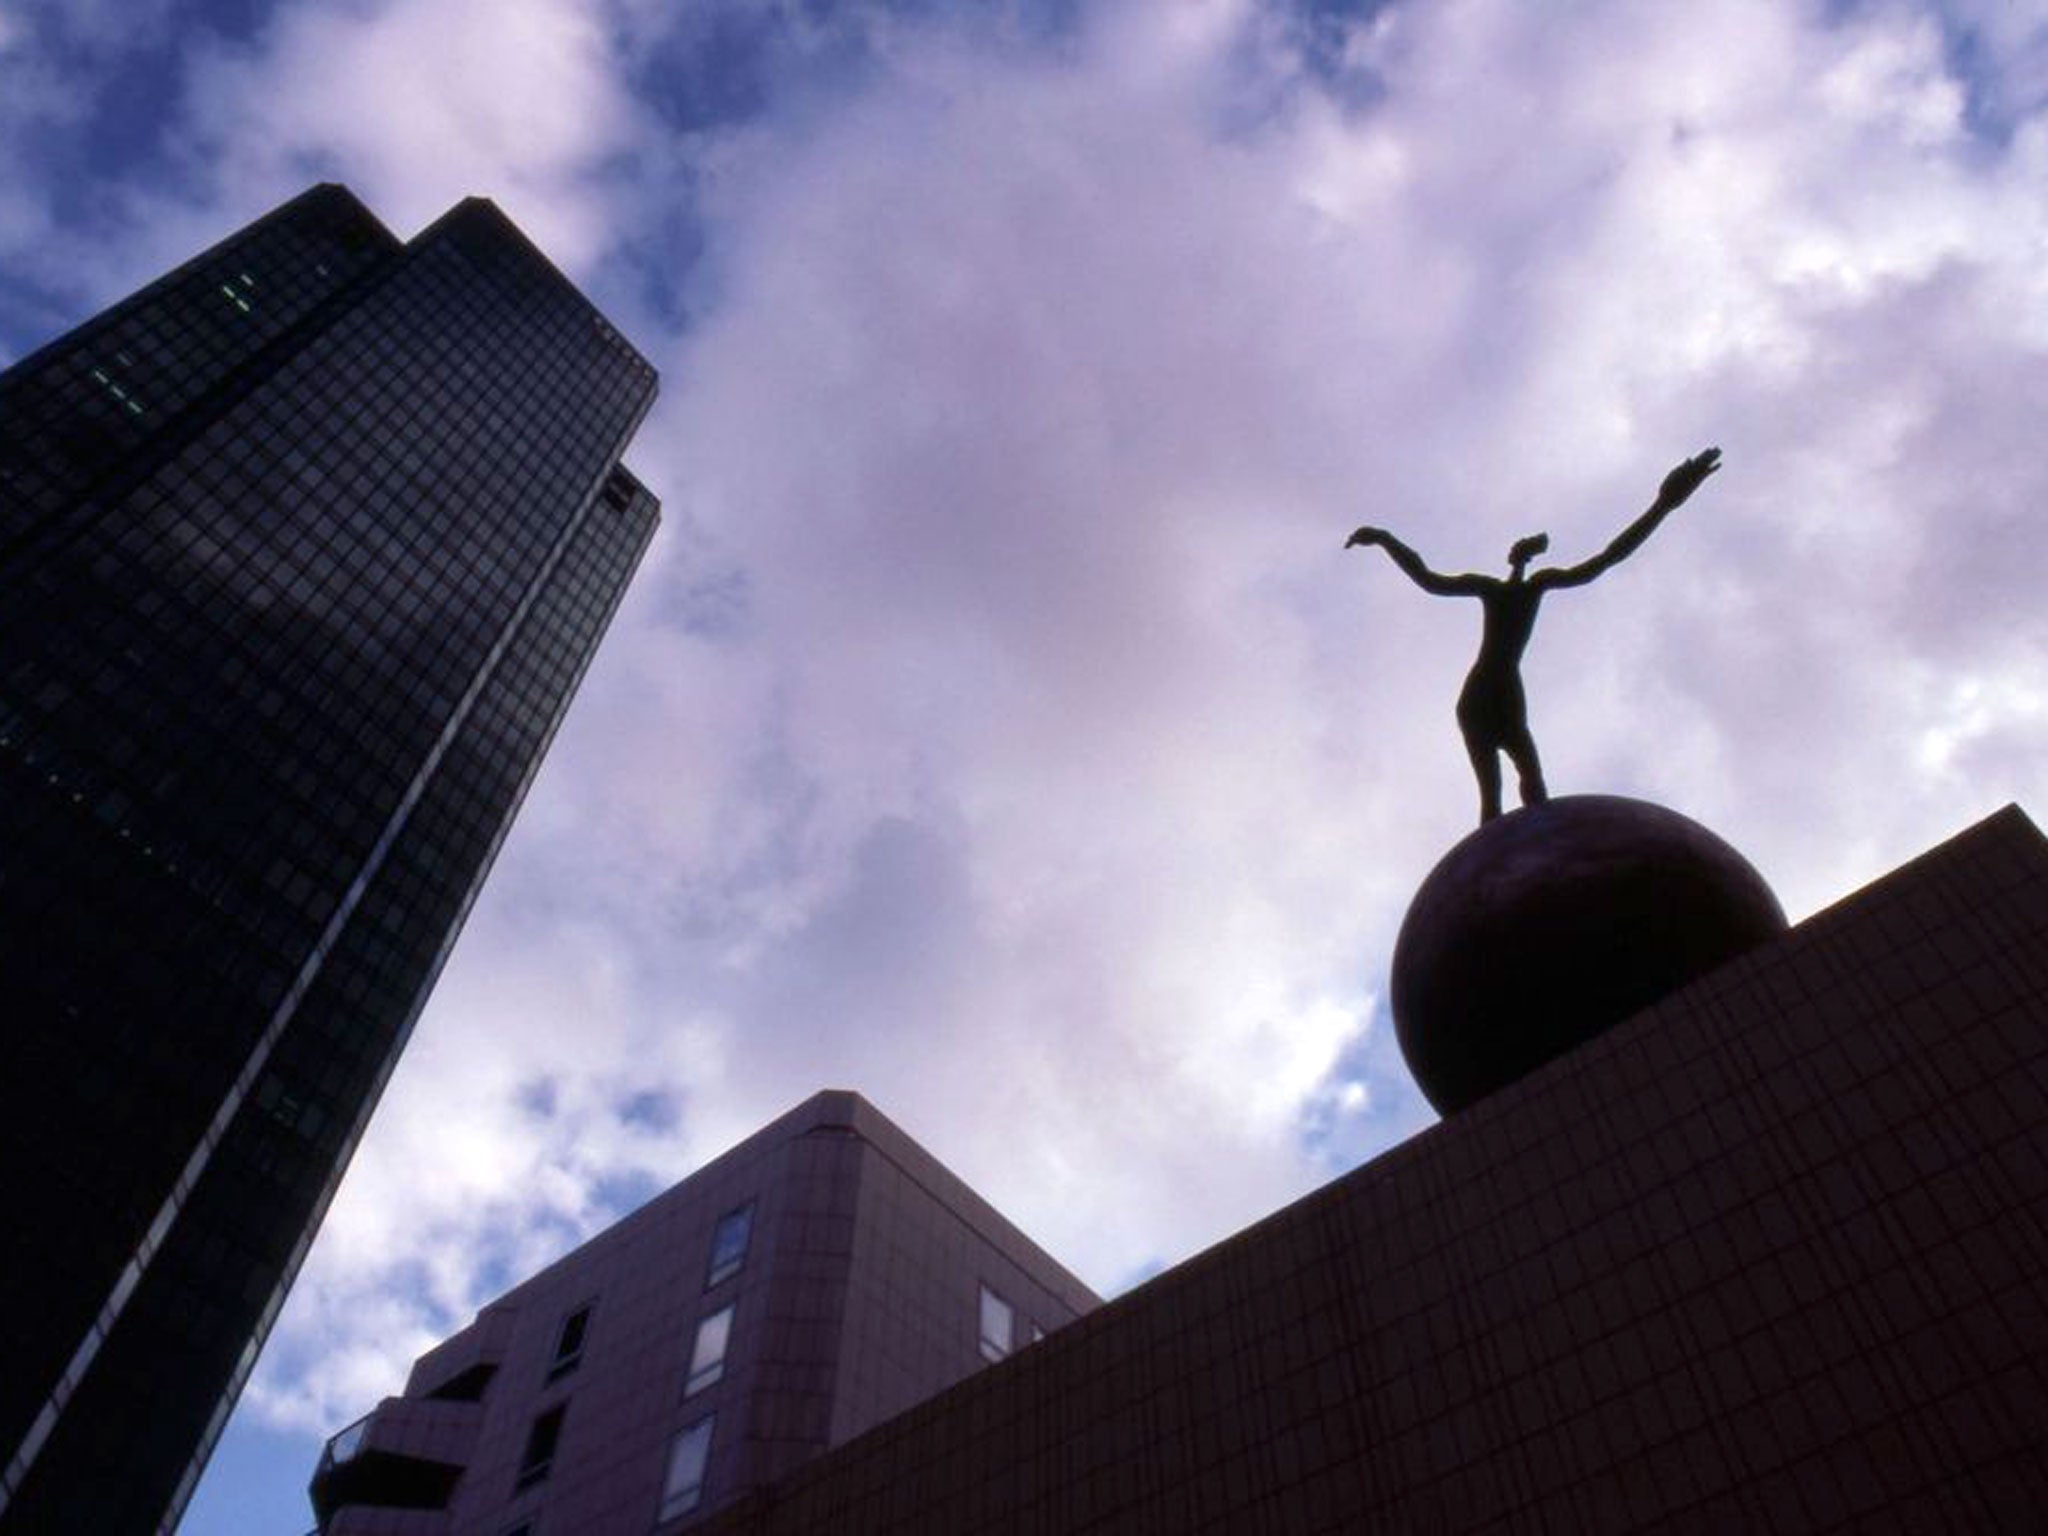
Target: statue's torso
[1510,618]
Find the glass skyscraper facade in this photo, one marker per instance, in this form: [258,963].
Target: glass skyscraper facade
[303,550]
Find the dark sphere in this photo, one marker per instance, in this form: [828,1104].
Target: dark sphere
[1554,922]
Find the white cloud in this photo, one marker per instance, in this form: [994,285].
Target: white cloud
[1042,395]
[414,103]
[418,103]
[999,728]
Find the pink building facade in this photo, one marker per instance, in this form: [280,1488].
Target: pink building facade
[817,1279]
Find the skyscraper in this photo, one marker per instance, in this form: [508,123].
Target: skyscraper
[303,549]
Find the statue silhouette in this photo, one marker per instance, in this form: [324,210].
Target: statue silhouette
[1491,710]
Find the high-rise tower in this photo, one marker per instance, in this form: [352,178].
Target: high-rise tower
[303,549]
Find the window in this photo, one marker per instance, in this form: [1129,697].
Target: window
[686,1461]
[539,1457]
[729,1244]
[707,1358]
[569,1343]
[997,1323]
[346,1443]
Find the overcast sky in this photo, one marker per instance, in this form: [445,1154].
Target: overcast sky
[997,726]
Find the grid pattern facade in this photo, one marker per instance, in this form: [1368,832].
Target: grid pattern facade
[309,544]
[1765,1257]
[81,413]
[919,1250]
[820,1276]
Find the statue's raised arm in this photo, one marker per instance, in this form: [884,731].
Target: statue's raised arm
[1492,713]
[1671,495]
[1412,566]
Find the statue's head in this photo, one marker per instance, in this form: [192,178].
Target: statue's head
[1525,550]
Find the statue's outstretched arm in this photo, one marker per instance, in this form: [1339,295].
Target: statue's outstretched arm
[1671,495]
[1411,564]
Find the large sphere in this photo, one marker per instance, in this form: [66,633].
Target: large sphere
[1550,924]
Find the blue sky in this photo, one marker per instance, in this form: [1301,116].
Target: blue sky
[997,726]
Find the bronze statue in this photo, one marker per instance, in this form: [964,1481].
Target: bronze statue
[1491,710]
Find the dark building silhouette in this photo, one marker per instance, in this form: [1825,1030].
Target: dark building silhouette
[816,1280]
[1764,1257]
[303,549]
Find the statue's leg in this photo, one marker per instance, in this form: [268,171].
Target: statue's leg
[1521,747]
[1486,767]
[1478,725]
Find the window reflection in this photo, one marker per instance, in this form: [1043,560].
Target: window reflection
[729,1244]
[707,1358]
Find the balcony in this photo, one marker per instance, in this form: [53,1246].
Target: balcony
[363,1520]
[461,1366]
[406,1455]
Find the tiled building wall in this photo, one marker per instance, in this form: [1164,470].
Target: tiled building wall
[1765,1257]
[780,1409]
[799,1313]
[925,1248]
[645,1284]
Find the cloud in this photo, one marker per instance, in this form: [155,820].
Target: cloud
[58,65]
[414,103]
[418,103]
[998,727]
[1043,389]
